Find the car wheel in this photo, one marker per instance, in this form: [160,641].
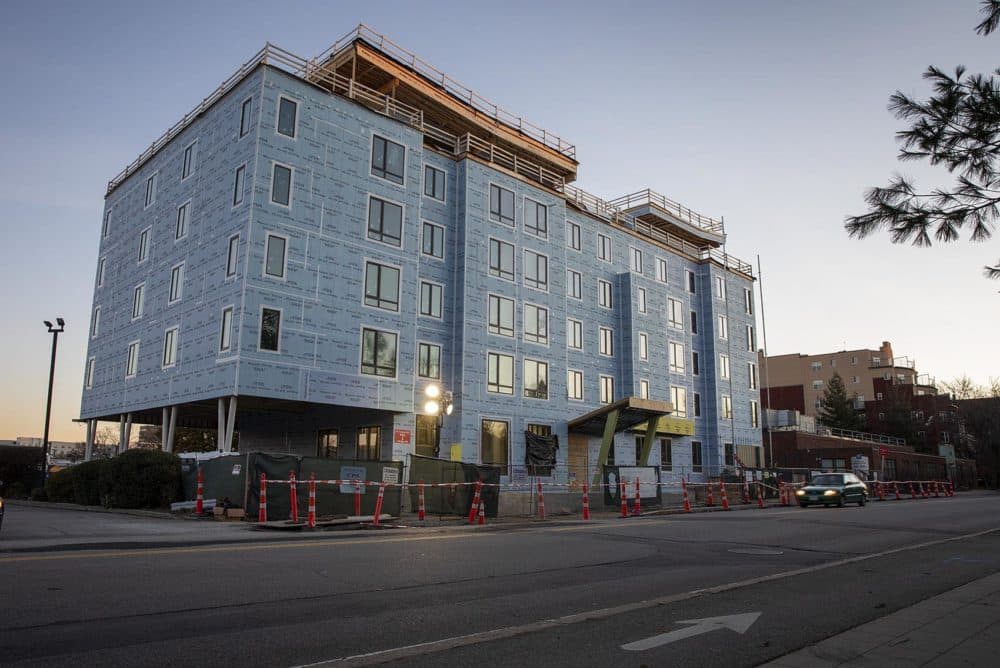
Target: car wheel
[862,500]
[803,504]
[840,501]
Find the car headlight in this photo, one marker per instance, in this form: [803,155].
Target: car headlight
[800,492]
[830,492]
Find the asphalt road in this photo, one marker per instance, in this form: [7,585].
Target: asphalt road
[546,595]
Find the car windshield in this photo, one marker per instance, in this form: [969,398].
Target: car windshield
[828,480]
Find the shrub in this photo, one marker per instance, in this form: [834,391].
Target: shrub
[16,490]
[85,483]
[140,479]
[19,464]
[38,494]
[59,486]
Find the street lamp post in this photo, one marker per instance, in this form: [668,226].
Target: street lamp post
[439,404]
[54,331]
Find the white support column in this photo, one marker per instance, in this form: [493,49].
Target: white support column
[164,428]
[173,429]
[230,425]
[88,449]
[121,434]
[220,431]
[128,432]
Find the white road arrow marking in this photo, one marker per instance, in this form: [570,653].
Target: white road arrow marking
[738,623]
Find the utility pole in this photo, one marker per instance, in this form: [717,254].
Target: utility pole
[54,331]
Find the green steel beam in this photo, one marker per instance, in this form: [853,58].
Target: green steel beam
[647,443]
[610,426]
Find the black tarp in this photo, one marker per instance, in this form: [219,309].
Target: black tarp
[455,500]
[540,453]
[223,477]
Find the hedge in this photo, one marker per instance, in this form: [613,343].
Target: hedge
[140,479]
[86,483]
[59,486]
[20,469]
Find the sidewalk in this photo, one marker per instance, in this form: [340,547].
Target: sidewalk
[958,628]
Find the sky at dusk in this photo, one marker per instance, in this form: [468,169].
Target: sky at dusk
[769,114]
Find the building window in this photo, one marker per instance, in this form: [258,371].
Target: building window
[818,384]
[536,324]
[226,332]
[635,260]
[536,218]
[640,442]
[720,287]
[369,443]
[643,346]
[573,236]
[697,404]
[138,301]
[281,185]
[144,245]
[180,230]
[433,240]
[690,281]
[536,379]
[641,292]
[187,168]
[604,247]
[724,367]
[675,314]
[574,284]
[101,265]
[607,389]
[502,259]
[385,221]
[287,112]
[536,270]
[327,443]
[378,353]
[607,345]
[132,361]
[752,374]
[106,229]
[501,205]
[274,256]
[245,112]
[730,456]
[695,366]
[644,389]
[434,182]
[855,380]
[574,334]
[574,385]
[91,363]
[270,329]
[170,347]
[816,366]
[176,284]
[501,316]
[150,190]
[95,327]
[696,456]
[604,294]
[678,397]
[661,270]
[751,344]
[430,299]
[232,257]
[727,407]
[723,327]
[381,286]
[694,322]
[500,373]
[666,454]
[676,354]
[388,159]
[494,441]
[429,361]
[238,185]
[747,301]
[754,414]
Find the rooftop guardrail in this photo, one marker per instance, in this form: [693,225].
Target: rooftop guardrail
[675,209]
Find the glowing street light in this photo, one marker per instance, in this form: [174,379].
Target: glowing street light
[439,409]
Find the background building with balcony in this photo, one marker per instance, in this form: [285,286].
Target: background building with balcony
[303,254]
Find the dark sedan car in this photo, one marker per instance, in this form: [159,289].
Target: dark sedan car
[1,512]
[833,488]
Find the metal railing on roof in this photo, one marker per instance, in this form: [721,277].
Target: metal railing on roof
[669,206]
[466,95]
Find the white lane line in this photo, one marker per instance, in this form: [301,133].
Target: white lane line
[407,651]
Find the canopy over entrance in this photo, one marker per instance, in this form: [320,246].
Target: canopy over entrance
[621,415]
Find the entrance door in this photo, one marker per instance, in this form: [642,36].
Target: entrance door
[578,457]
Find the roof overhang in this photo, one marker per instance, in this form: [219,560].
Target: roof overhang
[632,411]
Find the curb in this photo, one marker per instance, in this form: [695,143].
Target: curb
[135,512]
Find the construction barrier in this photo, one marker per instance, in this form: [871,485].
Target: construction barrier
[687,502]
[262,505]
[199,504]
[709,500]
[293,497]
[725,497]
[378,503]
[482,513]
[746,491]
[624,501]
[586,502]
[541,501]
[475,501]
[421,509]
[760,495]
[311,512]
[636,508]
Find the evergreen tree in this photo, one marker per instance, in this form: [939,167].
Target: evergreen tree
[958,127]
[836,409]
